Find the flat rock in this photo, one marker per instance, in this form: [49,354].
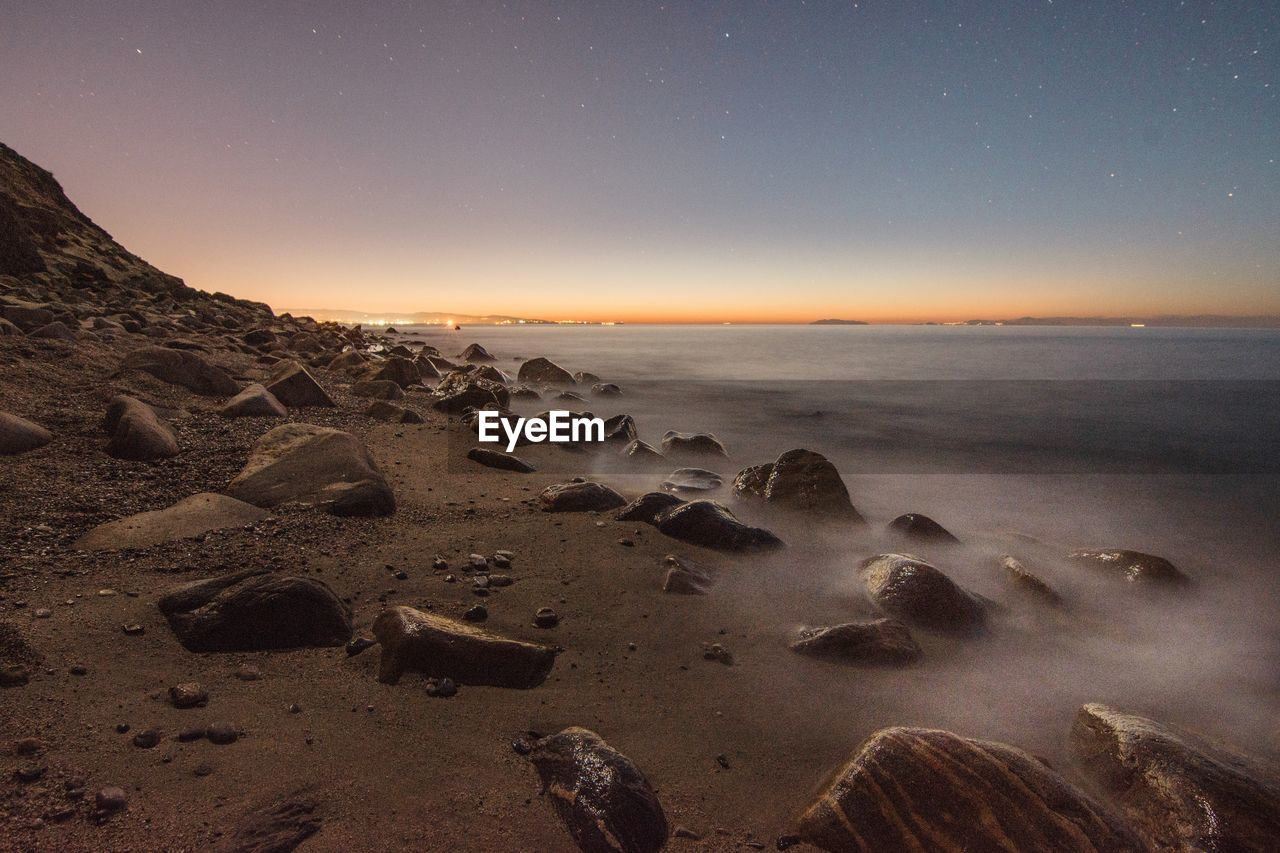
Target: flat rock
[580,497]
[691,444]
[918,593]
[801,481]
[254,401]
[498,459]
[648,507]
[916,528]
[137,432]
[187,518]
[293,385]
[313,465]
[881,641]
[600,795]
[684,577]
[276,827]
[711,525]
[692,480]
[438,647]
[1183,792]
[189,369]
[256,610]
[925,789]
[18,435]
[1132,566]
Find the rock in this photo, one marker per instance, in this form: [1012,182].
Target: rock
[717,653]
[685,578]
[222,733]
[277,827]
[524,392]
[916,789]
[476,613]
[137,433]
[187,518]
[56,331]
[602,798]
[692,480]
[258,337]
[606,389]
[642,453]
[294,386]
[402,371]
[8,329]
[182,367]
[1183,792]
[377,389]
[148,739]
[254,402]
[313,465]
[691,444]
[917,528]
[801,481]
[111,799]
[1024,580]
[14,675]
[349,362]
[583,377]
[488,371]
[882,641]
[500,460]
[545,618]
[916,592]
[710,525]
[455,395]
[383,410]
[580,497]
[426,369]
[1133,566]
[476,353]
[570,397]
[620,429]
[441,688]
[436,646]
[648,507]
[18,435]
[356,645]
[188,695]
[256,610]
[543,371]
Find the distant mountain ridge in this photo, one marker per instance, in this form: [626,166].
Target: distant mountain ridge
[438,318]
[1220,321]
[834,322]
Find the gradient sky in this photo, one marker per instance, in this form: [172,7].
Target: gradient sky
[744,161]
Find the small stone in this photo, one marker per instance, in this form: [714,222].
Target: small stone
[191,733]
[627,543]
[294,708]
[481,581]
[718,653]
[478,563]
[440,564]
[27,746]
[147,739]
[248,673]
[122,728]
[501,561]
[222,733]
[78,669]
[546,618]
[476,613]
[33,773]
[401,575]
[42,613]
[133,629]
[356,645]
[442,688]
[521,746]
[685,832]
[111,799]
[203,769]
[501,580]
[188,695]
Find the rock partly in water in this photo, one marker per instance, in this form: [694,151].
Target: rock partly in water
[1133,566]
[543,371]
[580,496]
[711,525]
[925,789]
[313,465]
[642,453]
[684,577]
[254,402]
[648,507]
[1027,581]
[606,389]
[620,429]
[187,518]
[920,594]
[294,386]
[18,435]
[1183,792]
[137,432]
[435,646]
[256,610]
[801,481]
[692,480]
[917,528]
[189,369]
[886,642]
[476,353]
[498,459]
[461,391]
[602,798]
[691,445]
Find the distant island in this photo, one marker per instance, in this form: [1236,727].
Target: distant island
[838,323]
[1219,321]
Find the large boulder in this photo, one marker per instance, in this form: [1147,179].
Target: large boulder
[348,362]
[580,496]
[881,641]
[602,798]
[925,789]
[256,610]
[137,432]
[460,391]
[189,517]
[182,367]
[543,371]
[476,353]
[691,445]
[620,429]
[915,528]
[1132,566]
[18,435]
[1183,792]
[802,481]
[254,402]
[313,465]
[401,371]
[920,594]
[414,641]
[710,525]
[293,385]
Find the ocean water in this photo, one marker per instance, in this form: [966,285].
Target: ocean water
[1025,440]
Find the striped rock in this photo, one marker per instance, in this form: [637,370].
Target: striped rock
[929,790]
[603,799]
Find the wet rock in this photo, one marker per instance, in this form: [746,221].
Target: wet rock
[584,377]
[692,480]
[546,618]
[454,395]
[256,610]
[1025,580]
[402,371]
[189,369]
[605,802]
[137,433]
[382,410]
[543,371]
[917,528]
[800,481]
[356,645]
[313,465]
[648,507]
[377,389]
[642,453]
[18,435]
[524,392]
[476,353]
[684,577]
[498,459]
[188,518]
[1133,566]
[294,386]
[276,827]
[620,429]
[904,785]
[920,594]
[691,444]
[606,389]
[580,497]
[416,641]
[882,641]
[710,525]
[570,397]
[254,402]
[188,695]
[1183,792]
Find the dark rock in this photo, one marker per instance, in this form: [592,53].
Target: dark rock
[917,528]
[256,610]
[441,688]
[137,433]
[717,653]
[148,739]
[56,331]
[222,733]
[18,435]
[602,798]
[294,386]
[277,827]
[111,799]
[436,646]
[476,353]
[606,389]
[455,394]
[402,371]
[382,410]
[545,618]
[570,397]
[684,577]
[182,367]
[524,392]
[188,695]
[1183,792]
[642,453]
[258,337]
[1133,566]
[189,517]
[691,444]
[356,645]
[500,460]
[583,377]
[349,362]
[476,613]
[1026,581]
[192,733]
[801,481]
[377,389]
[692,480]
[883,641]
[580,497]
[543,371]
[904,785]
[254,402]
[620,429]
[648,507]
[710,525]
[916,592]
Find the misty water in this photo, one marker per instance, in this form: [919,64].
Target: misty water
[1025,441]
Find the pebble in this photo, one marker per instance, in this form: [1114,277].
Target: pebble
[294,708]
[133,629]
[147,739]
[521,746]
[188,695]
[192,733]
[442,688]
[401,575]
[248,673]
[356,645]
[440,564]
[222,733]
[203,769]
[111,799]
[476,613]
[78,669]
[627,543]
[122,728]
[717,652]
[33,773]
[546,618]
[42,613]
[501,580]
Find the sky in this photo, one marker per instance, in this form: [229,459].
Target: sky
[671,162]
